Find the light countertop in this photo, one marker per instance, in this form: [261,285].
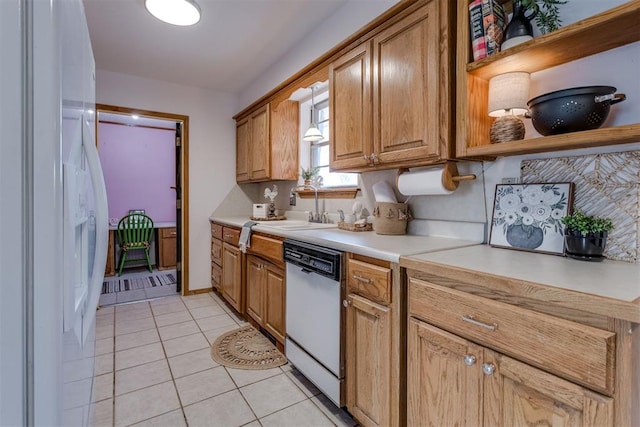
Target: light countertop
[607,287]
[367,243]
[613,282]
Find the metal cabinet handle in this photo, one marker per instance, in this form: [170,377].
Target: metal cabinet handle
[362,279]
[470,319]
[174,233]
[228,236]
[346,303]
[469,359]
[366,157]
[373,158]
[488,368]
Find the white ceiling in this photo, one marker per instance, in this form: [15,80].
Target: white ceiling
[232,44]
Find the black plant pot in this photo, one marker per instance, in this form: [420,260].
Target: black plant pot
[589,247]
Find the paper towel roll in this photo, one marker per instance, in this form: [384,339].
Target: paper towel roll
[423,182]
[383,192]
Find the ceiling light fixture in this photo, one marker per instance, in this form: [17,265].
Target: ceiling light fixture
[175,12]
[312,134]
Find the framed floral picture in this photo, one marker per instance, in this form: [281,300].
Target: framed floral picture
[528,216]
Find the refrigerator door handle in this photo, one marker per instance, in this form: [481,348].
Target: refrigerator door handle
[102,224]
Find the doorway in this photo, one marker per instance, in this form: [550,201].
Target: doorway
[170,182]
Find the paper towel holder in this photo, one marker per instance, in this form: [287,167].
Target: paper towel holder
[450,176]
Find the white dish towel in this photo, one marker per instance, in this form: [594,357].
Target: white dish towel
[245,236]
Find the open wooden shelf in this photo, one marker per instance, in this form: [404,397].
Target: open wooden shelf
[607,30]
[329,193]
[568,141]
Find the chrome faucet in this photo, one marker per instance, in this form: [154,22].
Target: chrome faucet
[313,217]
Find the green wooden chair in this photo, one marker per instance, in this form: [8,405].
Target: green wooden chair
[135,232]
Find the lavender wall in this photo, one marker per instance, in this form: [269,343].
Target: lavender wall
[139,169]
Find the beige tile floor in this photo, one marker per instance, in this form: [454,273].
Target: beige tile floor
[153,368]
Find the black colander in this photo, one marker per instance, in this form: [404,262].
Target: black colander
[572,110]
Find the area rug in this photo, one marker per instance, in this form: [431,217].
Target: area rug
[131,283]
[246,348]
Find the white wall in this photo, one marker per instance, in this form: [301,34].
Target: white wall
[12,220]
[211,148]
[354,15]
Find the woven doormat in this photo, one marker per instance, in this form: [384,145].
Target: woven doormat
[129,284]
[246,348]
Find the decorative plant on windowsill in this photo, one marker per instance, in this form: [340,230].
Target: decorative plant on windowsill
[586,236]
[309,174]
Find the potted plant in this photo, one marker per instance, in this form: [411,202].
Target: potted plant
[309,174]
[586,236]
[546,13]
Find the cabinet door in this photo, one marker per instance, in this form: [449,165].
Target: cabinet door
[284,122]
[259,149]
[516,394]
[350,109]
[242,150]
[274,316]
[232,276]
[256,275]
[406,105]
[444,378]
[167,248]
[368,358]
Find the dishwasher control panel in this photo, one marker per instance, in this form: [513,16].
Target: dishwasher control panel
[317,259]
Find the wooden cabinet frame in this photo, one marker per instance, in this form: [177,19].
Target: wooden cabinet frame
[599,33]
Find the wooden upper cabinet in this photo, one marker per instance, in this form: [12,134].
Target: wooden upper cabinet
[267,143]
[410,102]
[350,109]
[390,96]
[242,150]
[259,150]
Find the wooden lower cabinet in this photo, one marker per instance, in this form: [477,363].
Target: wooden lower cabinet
[232,267]
[266,288]
[441,388]
[167,248]
[368,361]
[274,310]
[110,267]
[452,381]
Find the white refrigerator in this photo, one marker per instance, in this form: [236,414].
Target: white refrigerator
[53,214]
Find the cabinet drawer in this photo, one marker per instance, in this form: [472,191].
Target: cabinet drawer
[167,233]
[216,231]
[369,280]
[216,274]
[582,353]
[231,235]
[216,251]
[267,247]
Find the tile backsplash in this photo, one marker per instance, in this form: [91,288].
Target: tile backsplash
[605,185]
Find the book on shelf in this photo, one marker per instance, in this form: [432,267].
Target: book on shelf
[493,23]
[476,24]
[486,22]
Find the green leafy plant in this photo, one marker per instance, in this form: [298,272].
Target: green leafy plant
[308,174]
[547,13]
[586,224]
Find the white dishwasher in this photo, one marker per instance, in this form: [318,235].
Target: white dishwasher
[315,335]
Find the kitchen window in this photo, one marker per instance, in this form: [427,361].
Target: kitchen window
[319,151]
